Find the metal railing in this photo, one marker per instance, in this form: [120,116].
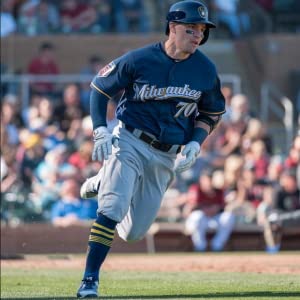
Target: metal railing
[25,80]
[273,100]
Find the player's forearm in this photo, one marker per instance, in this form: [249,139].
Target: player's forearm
[200,133]
[98,108]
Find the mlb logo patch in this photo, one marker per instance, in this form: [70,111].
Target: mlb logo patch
[105,71]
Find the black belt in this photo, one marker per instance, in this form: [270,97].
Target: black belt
[151,141]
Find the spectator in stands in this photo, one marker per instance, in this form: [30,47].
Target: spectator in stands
[103,21]
[292,162]
[30,154]
[8,123]
[9,165]
[27,18]
[287,198]
[205,210]
[16,106]
[8,22]
[245,193]
[129,16]
[255,131]
[39,114]
[70,109]
[240,112]
[38,17]
[77,16]
[232,171]
[232,141]
[280,210]
[39,118]
[227,13]
[81,158]
[250,185]
[87,127]
[228,94]
[56,159]
[46,109]
[44,64]
[47,18]
[70,209]
[258,157]
[275,169]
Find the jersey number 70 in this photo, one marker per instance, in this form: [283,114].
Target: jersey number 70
[186,109]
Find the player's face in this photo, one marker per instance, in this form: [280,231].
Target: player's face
[189,36]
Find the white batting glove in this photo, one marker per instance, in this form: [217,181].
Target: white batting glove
[103,142]
[190,151]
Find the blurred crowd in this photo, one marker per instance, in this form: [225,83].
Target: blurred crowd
[46,146]
[37,17]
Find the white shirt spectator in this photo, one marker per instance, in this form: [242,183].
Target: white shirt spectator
[228,6]
[8,24]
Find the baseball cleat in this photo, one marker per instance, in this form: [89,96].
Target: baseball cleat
[89,188]
[88,289]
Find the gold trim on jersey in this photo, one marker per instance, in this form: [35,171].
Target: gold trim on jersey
[212,113]
[100,91]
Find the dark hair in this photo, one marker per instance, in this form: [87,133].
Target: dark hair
[95,59]
[46,46]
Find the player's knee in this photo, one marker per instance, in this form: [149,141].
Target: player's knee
[195,219]
[115,210]
[227,218]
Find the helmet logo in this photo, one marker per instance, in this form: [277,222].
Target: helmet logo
[202,11]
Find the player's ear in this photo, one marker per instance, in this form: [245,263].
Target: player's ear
[172,27]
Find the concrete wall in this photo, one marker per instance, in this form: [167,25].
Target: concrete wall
[270,57]
[71,51]
[46,239]
[255,59]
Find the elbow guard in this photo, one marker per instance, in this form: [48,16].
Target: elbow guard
[211,121]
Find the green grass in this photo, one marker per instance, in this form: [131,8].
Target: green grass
[62,284]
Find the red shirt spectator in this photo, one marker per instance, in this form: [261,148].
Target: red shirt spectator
[203,196]
[82,158]
[43,64]
[77,16]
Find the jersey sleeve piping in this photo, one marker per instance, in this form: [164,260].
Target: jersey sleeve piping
[100,91]
[212,113]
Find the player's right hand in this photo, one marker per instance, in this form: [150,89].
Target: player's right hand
[190,151]
[103,142]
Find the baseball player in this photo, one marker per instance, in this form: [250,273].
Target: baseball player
[171,102]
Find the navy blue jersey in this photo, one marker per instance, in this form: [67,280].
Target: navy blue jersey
[162,96]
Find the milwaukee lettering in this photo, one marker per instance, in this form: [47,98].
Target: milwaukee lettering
[147,92]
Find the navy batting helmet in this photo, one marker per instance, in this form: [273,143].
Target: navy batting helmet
[190,12]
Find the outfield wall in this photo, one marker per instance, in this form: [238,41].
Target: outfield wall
[163,237]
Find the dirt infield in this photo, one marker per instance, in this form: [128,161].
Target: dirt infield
[251,263]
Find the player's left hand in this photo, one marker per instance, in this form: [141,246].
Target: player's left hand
[190,151]
[103,141]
